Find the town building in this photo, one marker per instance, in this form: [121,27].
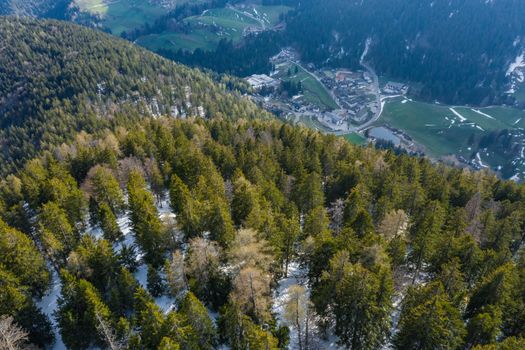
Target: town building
[258,81]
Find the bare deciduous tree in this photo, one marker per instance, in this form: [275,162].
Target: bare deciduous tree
[108,334]
[336,212]
[176,274]
[247,250]
[203,254]
[299,314]
[12,337]
[251,291]
[394,224]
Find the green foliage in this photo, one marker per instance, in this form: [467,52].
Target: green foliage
[20,255]
[428,319]
[148,229]
[242,333]
[362,222]
[108,223]
[360,301]
[105,188]
[92,82]
[197,317]
[81,311]
[56,232]
[156,285]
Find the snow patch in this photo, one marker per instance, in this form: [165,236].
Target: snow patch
[483,114]
[48,304]
[461,118]
[298,276]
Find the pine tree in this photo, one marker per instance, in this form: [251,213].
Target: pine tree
[20,255]
[197,317]
[428,319]
[80,310]
[58,235]
[104,188]
[148,229]
[108,223]
[155,282]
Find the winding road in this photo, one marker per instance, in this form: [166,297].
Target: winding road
[376,90]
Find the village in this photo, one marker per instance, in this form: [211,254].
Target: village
[331,100]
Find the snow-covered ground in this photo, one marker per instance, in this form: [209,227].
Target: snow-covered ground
[297,276]
[483,114]
[515,72]
[457,114]
[48,304]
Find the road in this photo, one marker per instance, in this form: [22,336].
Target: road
[376,90]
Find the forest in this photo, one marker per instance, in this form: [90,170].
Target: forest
[456,52]
[174,234]
[459,51]
[57,78]
[146,205]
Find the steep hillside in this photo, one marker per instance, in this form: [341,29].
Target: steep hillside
[459,51]
[203,235]
[57,78]
[33,8]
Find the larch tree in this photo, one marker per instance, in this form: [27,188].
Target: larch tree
[299,314]
[175,270]
[12,337]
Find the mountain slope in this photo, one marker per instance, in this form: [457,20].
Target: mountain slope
[459,50]
[32,8]
[58,78]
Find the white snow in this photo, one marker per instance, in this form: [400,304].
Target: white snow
[461,118]
[516,73]
[48,304]
[482,113]
[519,62]
[480,162]
[297,275]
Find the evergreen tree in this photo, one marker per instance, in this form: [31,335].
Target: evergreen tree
[155,282]
[197,317]
[80,314]
[429,318]
[148,229]
[108,223]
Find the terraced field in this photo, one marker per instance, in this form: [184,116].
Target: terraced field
[121,15]
[206,30]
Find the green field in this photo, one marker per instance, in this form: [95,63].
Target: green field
[207,29]
[355,138]
[121,15]
[314,92]
[442,132]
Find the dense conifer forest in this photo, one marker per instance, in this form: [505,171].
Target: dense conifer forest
[240,203]
[58,78]
[458,50]
[126,226]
